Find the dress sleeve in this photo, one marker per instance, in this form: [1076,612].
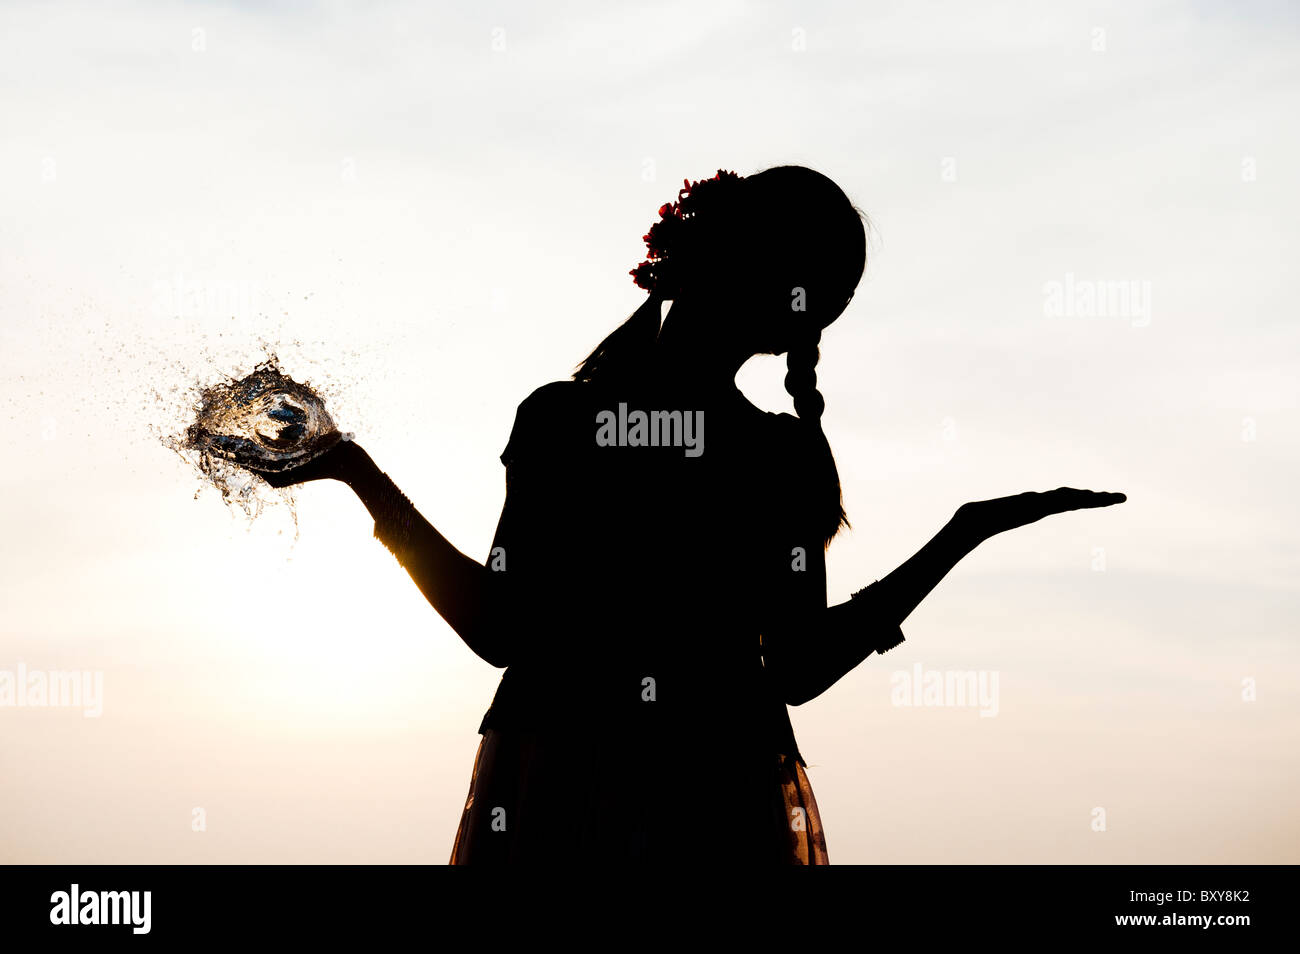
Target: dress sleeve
[535,461]
[518,439]
[531,418]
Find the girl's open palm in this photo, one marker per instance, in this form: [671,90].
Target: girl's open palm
[989,517]
[337,463]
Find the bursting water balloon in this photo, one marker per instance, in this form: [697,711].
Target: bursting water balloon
[264,421]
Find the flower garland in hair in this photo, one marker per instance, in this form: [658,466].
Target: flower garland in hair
[672,232]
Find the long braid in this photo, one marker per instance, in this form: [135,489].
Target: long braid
[801,384]
[627,349]
[801,379]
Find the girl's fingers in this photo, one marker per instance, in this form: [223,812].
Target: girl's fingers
[1070,498]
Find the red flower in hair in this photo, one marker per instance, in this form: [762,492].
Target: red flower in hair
[673,230]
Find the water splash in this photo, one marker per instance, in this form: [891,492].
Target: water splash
[264,421]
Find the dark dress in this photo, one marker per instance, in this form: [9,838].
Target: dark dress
[635,721]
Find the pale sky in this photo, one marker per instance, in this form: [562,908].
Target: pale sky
[430,213]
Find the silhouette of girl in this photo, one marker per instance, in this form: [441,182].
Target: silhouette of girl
[657,586]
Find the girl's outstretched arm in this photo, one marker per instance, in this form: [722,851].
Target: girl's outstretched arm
[808,649]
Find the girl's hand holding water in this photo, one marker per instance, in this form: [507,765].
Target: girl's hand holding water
[345,461]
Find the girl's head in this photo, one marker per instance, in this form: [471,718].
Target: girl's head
[773,258]
[758,264]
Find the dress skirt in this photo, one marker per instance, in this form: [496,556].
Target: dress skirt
[559,801]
